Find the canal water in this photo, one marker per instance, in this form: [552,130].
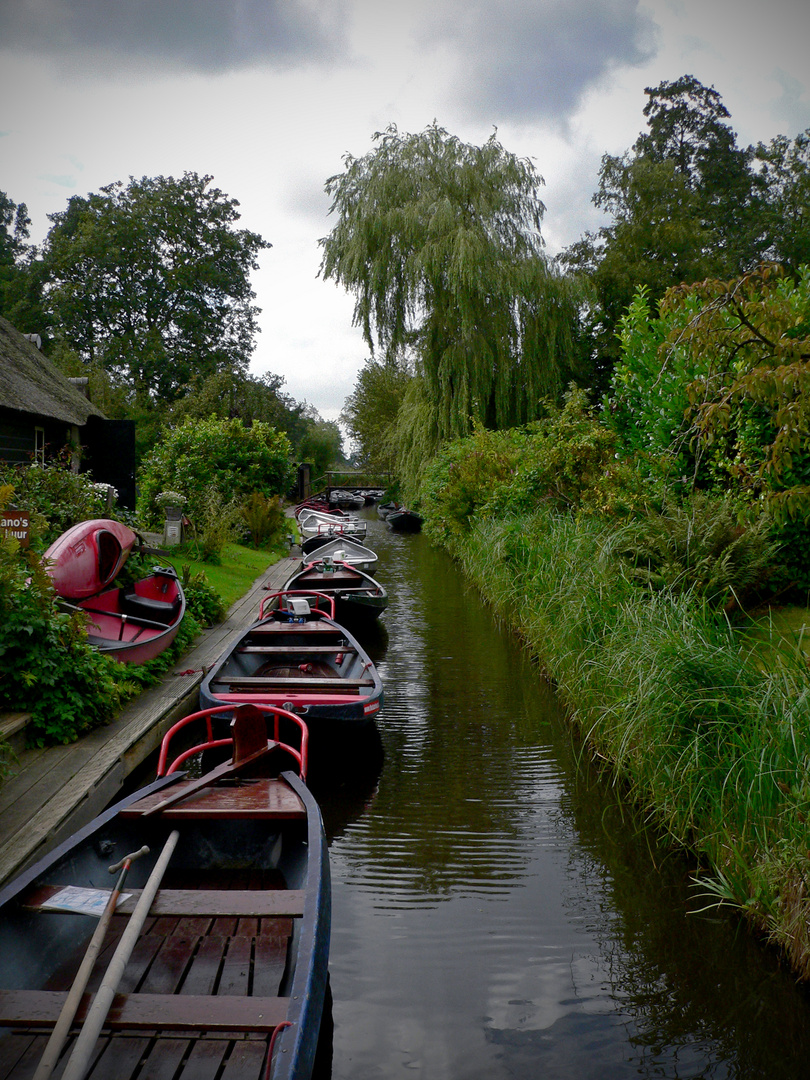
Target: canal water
[497,913]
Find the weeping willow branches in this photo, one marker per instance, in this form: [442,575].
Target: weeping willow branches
[440,243]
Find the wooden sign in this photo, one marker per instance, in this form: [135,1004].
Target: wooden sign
[16,523]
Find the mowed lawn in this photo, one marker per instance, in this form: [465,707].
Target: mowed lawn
[239,568]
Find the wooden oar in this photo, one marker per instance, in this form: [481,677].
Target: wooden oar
[79,1060]
[62,1026]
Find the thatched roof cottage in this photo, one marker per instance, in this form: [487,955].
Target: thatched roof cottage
[42,411]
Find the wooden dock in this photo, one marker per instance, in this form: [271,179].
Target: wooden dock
[53,792]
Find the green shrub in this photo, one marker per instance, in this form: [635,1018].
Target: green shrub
[567,461]
[215,524]
[264,519]
[48,667]
[56,498]
[223,455]
[203,601]
[699,546]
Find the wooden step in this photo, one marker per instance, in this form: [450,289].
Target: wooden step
[13,729]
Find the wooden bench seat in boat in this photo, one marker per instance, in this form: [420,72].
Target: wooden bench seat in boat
[169,1012]
[262,682]
[198,903]
[308,649]
[314,630]
[261,798]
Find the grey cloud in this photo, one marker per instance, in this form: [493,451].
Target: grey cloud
[531,59]
[196,35]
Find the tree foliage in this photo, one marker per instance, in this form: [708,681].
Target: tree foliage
[714,391]
[783,179]
[151,282]
[236,395]
[214,460]
[20,273]
[322,445]
[370,413]
[756,331]
[440,242]
[682,207]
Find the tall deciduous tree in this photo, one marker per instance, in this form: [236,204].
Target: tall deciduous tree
[151,281]
[370,413]
[783,178]
[440,242]
[682,208]
[322,446]
[20,277]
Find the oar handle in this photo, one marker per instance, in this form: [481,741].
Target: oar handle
[48,1061]
[79,1060]
[127,859]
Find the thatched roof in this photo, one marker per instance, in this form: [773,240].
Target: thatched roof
[30,383]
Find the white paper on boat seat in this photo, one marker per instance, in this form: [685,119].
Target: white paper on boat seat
[82,901]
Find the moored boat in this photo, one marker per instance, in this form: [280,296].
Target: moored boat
[315,524]
[400,519]
[210,958]
[384,509]
[359,598]
[341,549]
[298,656]
[136,623]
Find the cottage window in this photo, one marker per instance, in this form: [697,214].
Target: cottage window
[39,445]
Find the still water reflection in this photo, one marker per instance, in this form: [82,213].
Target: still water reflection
[495,913]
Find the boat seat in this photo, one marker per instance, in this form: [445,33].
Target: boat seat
[288,650]
[144,607]
[169,1012]
[196,903]
[262,682]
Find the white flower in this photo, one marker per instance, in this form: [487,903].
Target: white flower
[171,498]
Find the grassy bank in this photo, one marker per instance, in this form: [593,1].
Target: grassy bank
[712,743]
[238,568]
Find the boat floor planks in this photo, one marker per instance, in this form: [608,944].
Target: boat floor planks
[204,978]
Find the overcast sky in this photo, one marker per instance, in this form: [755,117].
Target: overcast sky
[268,95]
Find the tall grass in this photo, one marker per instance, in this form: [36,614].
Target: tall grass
[711,743]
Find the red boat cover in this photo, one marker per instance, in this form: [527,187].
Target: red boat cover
[88,557]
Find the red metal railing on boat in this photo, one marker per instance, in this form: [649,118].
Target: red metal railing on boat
[298,753]
[329,612]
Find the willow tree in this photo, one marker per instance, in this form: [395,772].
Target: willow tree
[440,243]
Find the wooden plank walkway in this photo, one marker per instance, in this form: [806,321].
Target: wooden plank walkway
[55,791]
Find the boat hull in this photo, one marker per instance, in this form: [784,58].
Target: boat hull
[88,557]
[402,520]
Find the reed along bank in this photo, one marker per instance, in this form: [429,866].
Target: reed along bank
[702,730]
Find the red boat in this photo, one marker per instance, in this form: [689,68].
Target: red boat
[132,624]
[88,557]
[135,624]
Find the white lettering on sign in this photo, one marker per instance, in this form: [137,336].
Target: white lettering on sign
[16,524]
